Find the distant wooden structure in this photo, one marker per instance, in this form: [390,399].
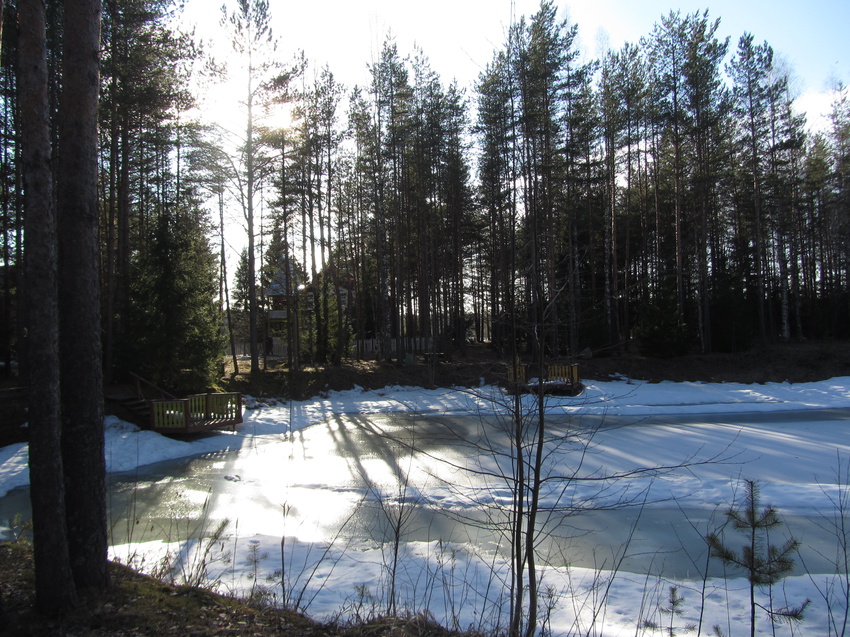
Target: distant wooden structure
[168,414]
[559,380]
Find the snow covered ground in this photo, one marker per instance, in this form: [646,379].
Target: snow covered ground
[802,463]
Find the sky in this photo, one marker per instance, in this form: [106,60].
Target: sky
[274,455]
[460,36]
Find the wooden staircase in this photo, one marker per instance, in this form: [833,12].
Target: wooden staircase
[138,408]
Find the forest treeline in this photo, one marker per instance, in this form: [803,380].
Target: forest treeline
[666,196]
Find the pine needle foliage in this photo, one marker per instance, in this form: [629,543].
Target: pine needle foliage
[765,564]
[176,336]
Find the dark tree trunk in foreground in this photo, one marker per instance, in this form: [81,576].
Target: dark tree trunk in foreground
[79,292]
[55,593]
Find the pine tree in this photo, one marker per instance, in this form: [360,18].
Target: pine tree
[495,194]
[706,103]
[10,212]
[254,45]
[750,71]
[79,296]
[764,564]
[668,54]
[675,601]
[54,584]
[391,94]
[840,144]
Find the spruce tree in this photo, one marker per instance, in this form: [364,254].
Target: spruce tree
[175,319]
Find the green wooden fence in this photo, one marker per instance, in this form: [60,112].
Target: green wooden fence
[196,413]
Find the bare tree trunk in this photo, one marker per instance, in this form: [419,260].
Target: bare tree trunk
[109,248]
[249,219]
[55,592]
[79,293]
[226,295]
[122,290]
[6,329]
[536,483]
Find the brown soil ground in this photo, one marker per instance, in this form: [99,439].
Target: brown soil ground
[792,362]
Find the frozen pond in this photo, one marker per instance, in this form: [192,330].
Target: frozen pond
[373,479]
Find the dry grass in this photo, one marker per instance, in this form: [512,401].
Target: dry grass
[137,604]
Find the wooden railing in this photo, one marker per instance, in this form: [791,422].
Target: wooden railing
[564,376]
[196,413]
[562,373]
[166,413]
[219,406]
[517,375]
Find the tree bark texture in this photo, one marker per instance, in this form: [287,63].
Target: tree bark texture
[55,593]
[79,293]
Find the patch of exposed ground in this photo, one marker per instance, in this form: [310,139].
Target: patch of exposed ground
[792,362]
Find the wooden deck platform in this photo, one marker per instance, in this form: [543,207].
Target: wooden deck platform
[196,413]
[156,409]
